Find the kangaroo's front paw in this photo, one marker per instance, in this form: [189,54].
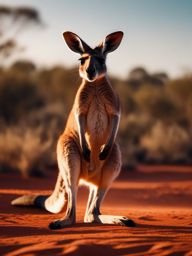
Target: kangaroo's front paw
[86,154]
[104,153]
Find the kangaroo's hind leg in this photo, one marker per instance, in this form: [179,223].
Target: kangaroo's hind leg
[69,163]
[56,201]
[53,203]
[110,171]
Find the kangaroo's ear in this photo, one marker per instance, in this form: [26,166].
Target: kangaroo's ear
[111,42]
[75,43]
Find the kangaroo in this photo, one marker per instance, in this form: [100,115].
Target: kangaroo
[87,151]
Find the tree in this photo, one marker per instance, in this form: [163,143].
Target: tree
[14,20]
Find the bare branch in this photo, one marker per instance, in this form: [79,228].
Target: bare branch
[12,21]
[7,47]
[27,13]
[5,10]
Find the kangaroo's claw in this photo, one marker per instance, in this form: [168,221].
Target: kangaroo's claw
[86,154]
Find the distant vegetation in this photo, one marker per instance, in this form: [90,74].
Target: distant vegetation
[13,20]
[156,123]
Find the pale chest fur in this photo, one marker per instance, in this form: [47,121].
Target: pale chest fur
[97,123]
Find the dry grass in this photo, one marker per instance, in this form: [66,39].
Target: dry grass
[22,149]
[166,143]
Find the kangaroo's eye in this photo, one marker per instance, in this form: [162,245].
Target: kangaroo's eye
[82,60]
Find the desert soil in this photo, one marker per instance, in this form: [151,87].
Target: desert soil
[157,198]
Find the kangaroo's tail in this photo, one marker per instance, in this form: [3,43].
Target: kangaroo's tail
[53,203]
[30,200]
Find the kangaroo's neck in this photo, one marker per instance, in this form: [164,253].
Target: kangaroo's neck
[103,81]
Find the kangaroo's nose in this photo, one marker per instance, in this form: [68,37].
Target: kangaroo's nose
[90,70]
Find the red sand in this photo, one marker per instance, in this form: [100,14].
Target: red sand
[158,199]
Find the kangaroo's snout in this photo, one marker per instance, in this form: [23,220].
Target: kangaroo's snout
[91,72]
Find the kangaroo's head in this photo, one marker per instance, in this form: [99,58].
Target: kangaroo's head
[92,61]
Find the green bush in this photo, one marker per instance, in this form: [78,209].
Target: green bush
[18,96]
[154,101]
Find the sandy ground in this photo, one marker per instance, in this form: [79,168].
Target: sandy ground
[158,199]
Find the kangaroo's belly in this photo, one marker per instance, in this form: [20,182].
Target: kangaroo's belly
[97,125]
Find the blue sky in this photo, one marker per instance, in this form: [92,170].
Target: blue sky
[158,34]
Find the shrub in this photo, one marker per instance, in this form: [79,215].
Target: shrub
[22,149]
[155,102]
[166,143]
[19,95]
[59,84]
[180,91]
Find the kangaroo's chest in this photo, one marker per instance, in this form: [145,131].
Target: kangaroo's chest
[97,120]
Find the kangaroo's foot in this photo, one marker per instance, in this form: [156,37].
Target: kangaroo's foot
[59,224]
[109,219]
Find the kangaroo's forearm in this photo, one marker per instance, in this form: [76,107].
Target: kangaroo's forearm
[81,122]
[113,124]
